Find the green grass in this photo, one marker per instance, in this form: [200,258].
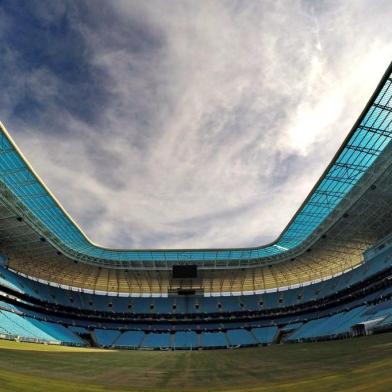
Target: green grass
[355,365]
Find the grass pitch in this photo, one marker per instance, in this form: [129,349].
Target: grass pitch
[360,364]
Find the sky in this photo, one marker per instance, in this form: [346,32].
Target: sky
[186,124]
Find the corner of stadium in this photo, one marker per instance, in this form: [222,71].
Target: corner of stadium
[310,311]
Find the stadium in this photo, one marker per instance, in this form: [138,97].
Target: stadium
[326,277]
[308,311]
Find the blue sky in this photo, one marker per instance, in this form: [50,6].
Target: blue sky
[186,123]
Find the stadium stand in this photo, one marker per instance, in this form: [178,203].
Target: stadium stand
[106,338]
[31,329]
[240,337]
[213,340]
[130,339]
[264,335]
[185,340]
[157,340]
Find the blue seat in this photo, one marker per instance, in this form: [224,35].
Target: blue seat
[157,340]
[185,340]
[106,337]
[240,337]
[131,339]
[213,339]
[265,335]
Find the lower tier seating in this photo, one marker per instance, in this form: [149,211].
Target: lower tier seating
[28,328]
[214,335]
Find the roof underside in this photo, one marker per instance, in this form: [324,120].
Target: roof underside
[358,163]
[339,249]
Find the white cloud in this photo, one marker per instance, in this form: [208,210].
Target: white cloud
[221,116]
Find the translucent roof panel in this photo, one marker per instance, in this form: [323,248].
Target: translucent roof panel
[367,140]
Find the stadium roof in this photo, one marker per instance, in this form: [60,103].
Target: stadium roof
[26,194]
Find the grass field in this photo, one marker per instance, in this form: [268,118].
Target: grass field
[360,364]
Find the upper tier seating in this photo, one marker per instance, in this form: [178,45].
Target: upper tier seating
[195,304]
